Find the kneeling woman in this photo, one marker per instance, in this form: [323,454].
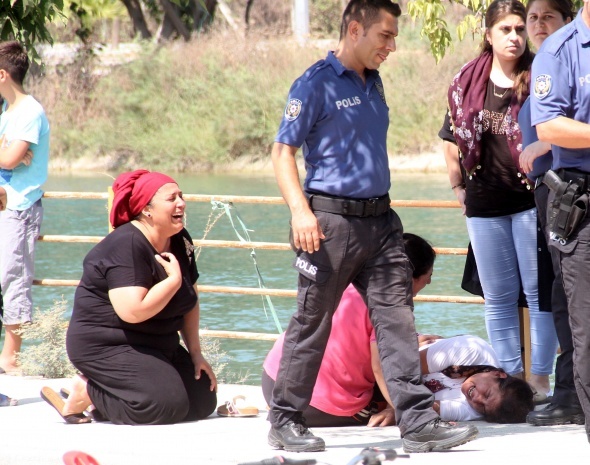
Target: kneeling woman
[138,290]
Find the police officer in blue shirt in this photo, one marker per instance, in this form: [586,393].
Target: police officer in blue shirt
[344,231]
[560,109]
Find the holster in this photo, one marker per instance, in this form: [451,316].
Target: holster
[567,207]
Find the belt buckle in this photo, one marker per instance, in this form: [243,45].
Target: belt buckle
[370,207]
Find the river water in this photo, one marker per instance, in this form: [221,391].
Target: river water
[234,267]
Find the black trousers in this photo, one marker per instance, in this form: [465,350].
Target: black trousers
[369,253]
[564,392]
[143,386]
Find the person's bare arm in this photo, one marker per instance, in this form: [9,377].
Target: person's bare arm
[14,154]
[451,153]
[531,152]
[134,304]
[307,232]
[190,336]
[387,416]
[565,132]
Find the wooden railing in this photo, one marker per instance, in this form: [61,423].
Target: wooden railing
[107,196]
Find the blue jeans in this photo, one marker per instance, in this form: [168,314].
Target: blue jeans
[505,249]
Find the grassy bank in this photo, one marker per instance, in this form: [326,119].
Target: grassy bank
[218,100]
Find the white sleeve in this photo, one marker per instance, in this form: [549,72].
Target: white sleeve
[460,350]
[457,410]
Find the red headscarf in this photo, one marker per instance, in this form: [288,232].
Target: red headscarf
[133,191]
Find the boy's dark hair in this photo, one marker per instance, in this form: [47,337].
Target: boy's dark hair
[366,12]
[517,402]
[420,253]
[14,60]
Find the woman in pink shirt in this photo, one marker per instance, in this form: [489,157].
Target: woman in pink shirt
[344,391]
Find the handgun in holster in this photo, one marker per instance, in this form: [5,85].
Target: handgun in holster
[568,207]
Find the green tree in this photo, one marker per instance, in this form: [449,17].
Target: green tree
[173,18]
[89,12]
[26,21]
[435,28]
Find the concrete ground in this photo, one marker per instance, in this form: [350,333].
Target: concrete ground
[34,434]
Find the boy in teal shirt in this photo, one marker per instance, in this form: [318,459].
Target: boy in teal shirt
[24,159]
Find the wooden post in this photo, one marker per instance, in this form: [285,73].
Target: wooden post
[525,340]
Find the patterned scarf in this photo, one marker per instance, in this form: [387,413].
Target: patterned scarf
[457,372]
[466,99]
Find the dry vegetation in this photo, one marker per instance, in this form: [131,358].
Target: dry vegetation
[217,100]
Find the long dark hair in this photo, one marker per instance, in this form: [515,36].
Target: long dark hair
[517,402]
[497,11]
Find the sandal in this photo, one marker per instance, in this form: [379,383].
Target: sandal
[235,408]
[94,413]
[53,399]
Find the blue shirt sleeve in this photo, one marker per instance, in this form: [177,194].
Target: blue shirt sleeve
[303,109]
[550,97]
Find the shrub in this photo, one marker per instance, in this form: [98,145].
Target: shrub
[45,355]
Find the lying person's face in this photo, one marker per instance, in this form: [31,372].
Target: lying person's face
[483,391]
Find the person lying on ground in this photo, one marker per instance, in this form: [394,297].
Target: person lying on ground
[350,389]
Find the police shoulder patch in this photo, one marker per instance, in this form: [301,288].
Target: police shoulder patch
[542,86]
[293,109]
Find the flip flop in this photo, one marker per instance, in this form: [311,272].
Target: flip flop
[53,399]
[94,413]
[75,457]
[235,408]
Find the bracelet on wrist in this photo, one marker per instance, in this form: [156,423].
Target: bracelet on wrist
[461,185]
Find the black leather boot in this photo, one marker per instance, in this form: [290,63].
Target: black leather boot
[555,414]
[295,437]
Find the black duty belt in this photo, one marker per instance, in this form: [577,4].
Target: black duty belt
[581,178]
[350,207]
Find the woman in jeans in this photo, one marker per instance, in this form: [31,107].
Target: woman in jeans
[482,146]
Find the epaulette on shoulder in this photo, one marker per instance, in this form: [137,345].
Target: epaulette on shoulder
[555,42]
[314,69]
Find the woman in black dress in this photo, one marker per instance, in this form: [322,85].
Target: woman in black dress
[138,291]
